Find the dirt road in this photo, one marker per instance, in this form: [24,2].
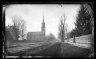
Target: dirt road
[58,50]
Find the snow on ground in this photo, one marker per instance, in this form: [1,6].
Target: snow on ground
[84,39]
[81,41]
[81,45]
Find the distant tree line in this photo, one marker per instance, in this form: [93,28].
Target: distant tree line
[50,37]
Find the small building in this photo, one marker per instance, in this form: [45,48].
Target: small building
[10,34]
[37,36]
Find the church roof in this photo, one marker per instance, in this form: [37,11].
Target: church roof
[34,33]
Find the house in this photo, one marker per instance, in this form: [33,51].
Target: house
[10,34]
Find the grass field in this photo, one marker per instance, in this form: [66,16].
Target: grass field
[19,46]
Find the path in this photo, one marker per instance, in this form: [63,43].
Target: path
[66,50]
[58,50]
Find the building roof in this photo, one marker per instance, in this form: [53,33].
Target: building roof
[34,33]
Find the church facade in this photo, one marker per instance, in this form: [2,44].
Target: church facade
[37,36]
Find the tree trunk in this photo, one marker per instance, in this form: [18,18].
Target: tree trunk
[74,38]
[67,39]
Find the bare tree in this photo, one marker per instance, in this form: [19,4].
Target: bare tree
[66,29]
[23,29]
[19,24]
[61,28]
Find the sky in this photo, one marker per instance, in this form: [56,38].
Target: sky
[33,16]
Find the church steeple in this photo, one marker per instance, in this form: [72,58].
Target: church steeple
[43,19]
[43,23]
[43,26]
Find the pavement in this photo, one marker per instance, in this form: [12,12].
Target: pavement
[82,45]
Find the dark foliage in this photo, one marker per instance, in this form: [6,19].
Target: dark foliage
[8,35]
[83,26]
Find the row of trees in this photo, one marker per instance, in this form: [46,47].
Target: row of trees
[83,24]
[18,28]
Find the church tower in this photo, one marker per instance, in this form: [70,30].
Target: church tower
[43,27]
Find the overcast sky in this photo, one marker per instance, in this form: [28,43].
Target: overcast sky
[33,15]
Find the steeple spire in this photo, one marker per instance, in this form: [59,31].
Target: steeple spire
[43,18]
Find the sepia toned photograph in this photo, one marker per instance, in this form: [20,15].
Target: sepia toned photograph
[48,31]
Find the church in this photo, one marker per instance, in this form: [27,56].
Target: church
[37,36]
